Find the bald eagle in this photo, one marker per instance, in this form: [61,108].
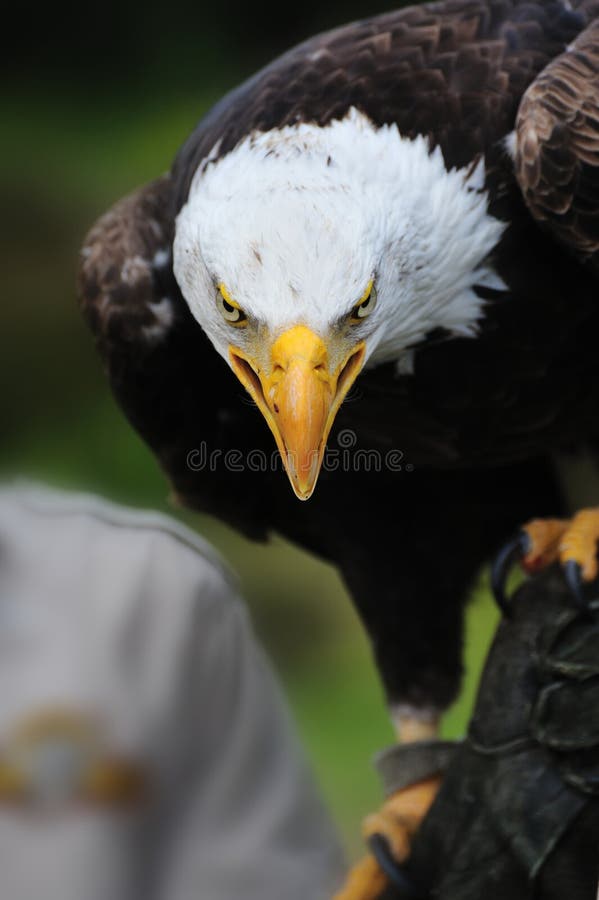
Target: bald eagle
[382,250]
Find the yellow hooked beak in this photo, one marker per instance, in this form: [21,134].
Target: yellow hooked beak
[299,398]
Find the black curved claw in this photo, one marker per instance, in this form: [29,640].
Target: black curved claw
[511,552]
[379,847]
[573,575]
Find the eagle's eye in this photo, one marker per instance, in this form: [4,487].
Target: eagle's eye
[230,310]
[365,304]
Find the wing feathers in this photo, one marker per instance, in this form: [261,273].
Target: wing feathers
[452,71]
[124,261]
[557,149]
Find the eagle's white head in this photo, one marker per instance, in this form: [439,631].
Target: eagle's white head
[309,251]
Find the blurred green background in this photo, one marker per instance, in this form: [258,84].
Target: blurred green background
[95,102]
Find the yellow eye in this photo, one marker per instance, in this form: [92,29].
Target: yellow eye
[230,310]
[365,304]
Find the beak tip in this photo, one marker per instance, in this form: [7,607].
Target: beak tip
[303,494]
[303,482]
[303,487]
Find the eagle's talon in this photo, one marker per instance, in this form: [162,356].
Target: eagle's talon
[389,832]
[380,849]
[515,550]
[574,579]
[544,542]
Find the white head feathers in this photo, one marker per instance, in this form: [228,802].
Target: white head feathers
[295,223]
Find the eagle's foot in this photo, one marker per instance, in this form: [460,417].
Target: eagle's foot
[389,834]
[366,881]
[541,542]
[400,816]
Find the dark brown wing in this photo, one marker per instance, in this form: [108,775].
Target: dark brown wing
[172,385]
[120,295]
[557,147]
[454,71]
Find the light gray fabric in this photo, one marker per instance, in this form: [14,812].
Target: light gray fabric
[130,623]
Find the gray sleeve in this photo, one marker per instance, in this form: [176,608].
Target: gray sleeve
[249,822]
